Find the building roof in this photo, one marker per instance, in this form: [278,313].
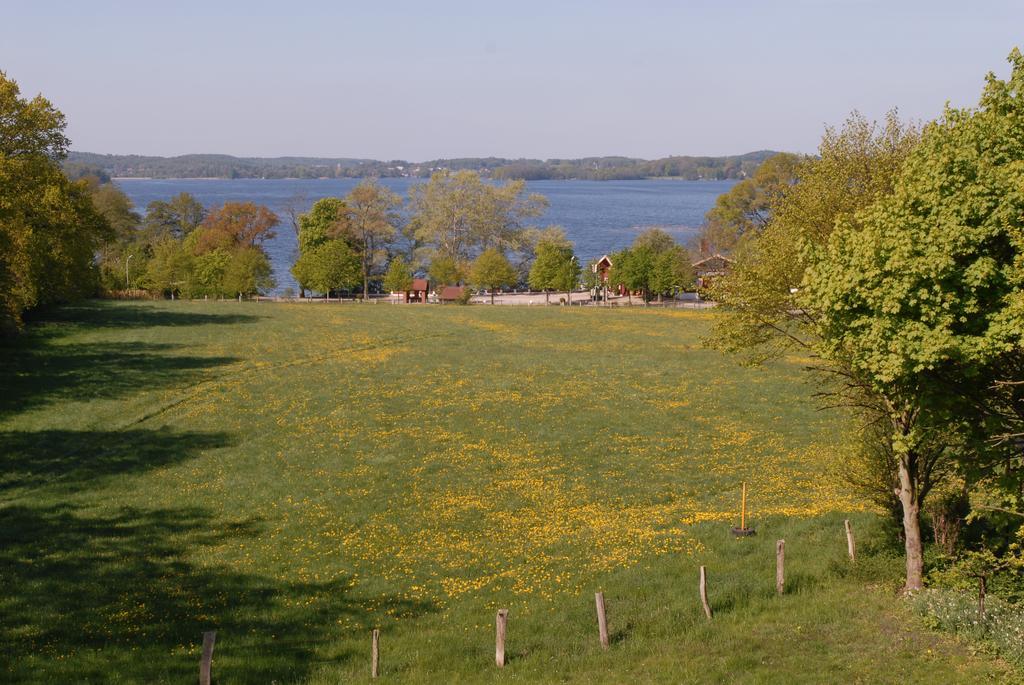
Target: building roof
[712,257]
[419,284]
[452,292]
[604,259]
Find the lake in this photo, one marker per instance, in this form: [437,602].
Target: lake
[598,216]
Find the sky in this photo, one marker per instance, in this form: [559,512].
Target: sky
[425,80]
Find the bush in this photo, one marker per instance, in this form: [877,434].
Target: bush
[1000,631]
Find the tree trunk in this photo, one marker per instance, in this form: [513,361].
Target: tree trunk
[908,494]
[492,295]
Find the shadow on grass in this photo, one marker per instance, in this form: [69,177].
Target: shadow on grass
[107,314]
[70,459]
[123,589]
[38,368]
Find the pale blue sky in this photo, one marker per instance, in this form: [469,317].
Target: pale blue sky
[419,80]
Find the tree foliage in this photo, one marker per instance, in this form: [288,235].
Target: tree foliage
[329,267]
[746,208]
[370,224]
[460,215]
[398,278]
[50,230]
[492,270]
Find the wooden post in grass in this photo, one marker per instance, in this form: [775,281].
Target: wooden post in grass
[206,661]
[981,598]
[851,548]
[743,508]
[780,563]
[499,638]
[602,619]
[704,592]
[375,654]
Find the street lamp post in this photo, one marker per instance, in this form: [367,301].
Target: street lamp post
[127,284]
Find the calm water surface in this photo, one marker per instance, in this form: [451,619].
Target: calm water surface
[598,216]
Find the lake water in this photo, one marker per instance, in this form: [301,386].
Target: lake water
[599,216]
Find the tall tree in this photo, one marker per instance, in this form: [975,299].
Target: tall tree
[50,230]
[370,225]
[460,215]
[770,304]
[922,294]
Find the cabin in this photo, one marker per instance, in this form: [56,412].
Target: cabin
[452,293]
[418,291]
[601,267]
[710,268]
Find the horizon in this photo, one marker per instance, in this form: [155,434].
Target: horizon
[537,81]
[411,161]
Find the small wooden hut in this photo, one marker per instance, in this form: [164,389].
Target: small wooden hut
[418,291]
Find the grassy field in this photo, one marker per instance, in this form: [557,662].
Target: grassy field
[295,475]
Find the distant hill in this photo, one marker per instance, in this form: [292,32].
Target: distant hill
[593,168]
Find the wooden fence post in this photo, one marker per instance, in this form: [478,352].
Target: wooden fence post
[780,563]
[206,661]
[851,548]
[602,619]
[375,654]
[704,592]
[499,638]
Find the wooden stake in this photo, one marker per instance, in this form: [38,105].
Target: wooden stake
[499,639]
[851,548]
[206,661]
[375,654]
[602,619]
[743,509]
[981,598]
[704,592]
[780,562]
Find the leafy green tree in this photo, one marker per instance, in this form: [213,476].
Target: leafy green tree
[128,248]
[567,278]
[248,272]
[371,222]
[764,310]
[170,268]
[176,218]
[398,278]
[329,267]
[492,270]
[921,295]
[555,267]
[208,272]
[324,219]
[50,230]
[446,271]
[746,208]
[671,271]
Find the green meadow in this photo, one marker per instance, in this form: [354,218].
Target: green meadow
[295,475]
